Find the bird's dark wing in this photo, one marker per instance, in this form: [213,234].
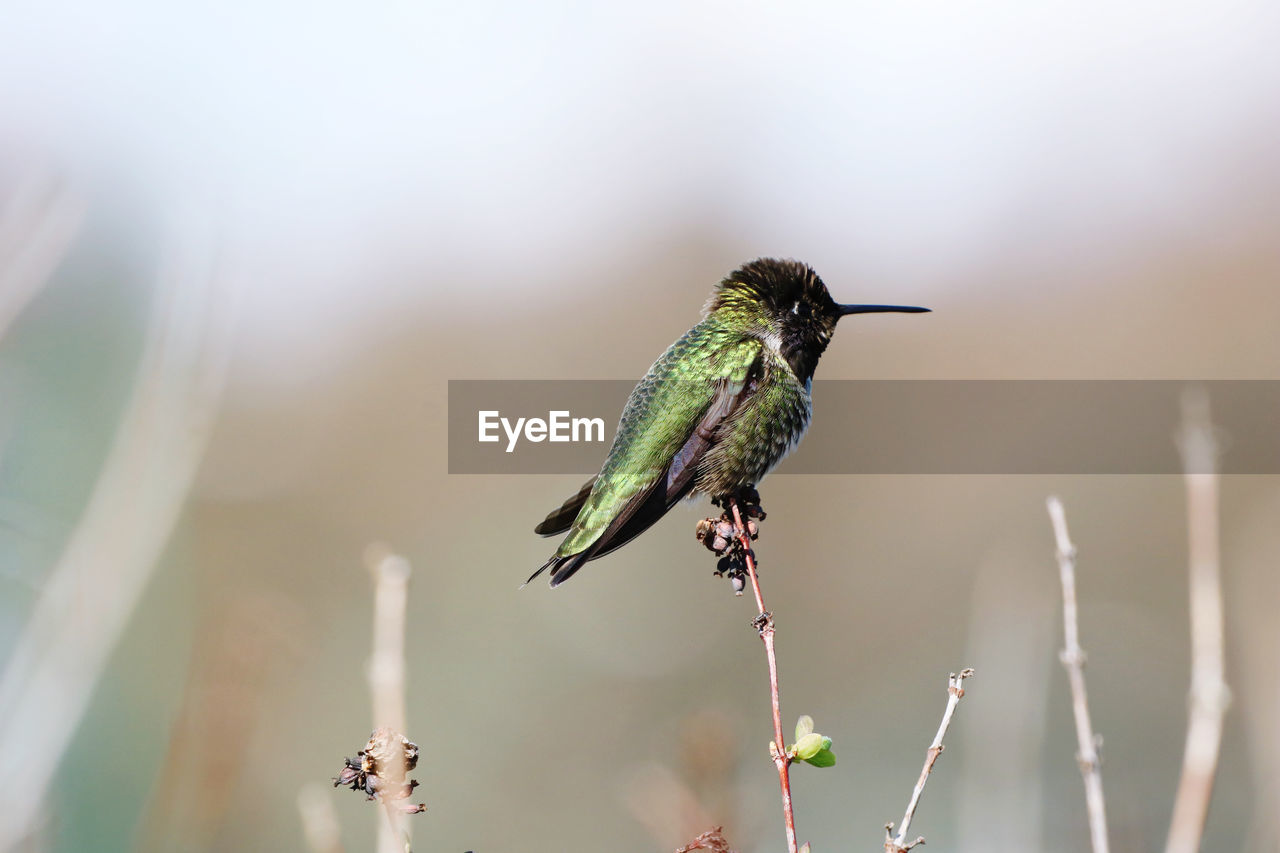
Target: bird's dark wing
[650,504]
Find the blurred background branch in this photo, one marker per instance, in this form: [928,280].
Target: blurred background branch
[38,223]
[1209,693]
[387,675]
[1073,658]
[319,819]
[90,593]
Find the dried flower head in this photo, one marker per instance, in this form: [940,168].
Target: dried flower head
[381,768]
[720,537]
[712,840]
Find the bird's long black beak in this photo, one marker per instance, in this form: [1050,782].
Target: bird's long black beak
[878,309]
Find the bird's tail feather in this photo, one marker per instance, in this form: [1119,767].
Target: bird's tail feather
[562,568]
[561,519]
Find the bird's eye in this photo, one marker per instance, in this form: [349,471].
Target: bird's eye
[801,308]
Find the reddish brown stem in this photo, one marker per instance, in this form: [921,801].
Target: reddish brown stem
[765,622]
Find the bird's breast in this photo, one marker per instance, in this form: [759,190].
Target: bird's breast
[758,436]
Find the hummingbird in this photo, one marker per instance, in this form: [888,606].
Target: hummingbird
[715,413]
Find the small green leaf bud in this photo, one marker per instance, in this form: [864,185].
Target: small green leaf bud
[823,758]
[809,746]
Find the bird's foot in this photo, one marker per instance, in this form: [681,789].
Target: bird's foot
[749,505]
[748,500]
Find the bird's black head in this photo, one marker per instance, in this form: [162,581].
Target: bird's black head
[787,303]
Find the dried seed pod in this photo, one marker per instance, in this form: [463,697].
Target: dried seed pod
[381,768]
[352,774]
[723,537]
[390,754]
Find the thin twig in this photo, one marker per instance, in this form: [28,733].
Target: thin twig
[1073,658]
[764,623]
[386,674]
[955,692]
[1209,693]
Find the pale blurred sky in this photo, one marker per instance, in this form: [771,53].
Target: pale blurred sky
[331,143]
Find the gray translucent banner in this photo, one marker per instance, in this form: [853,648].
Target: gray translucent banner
[892,426]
